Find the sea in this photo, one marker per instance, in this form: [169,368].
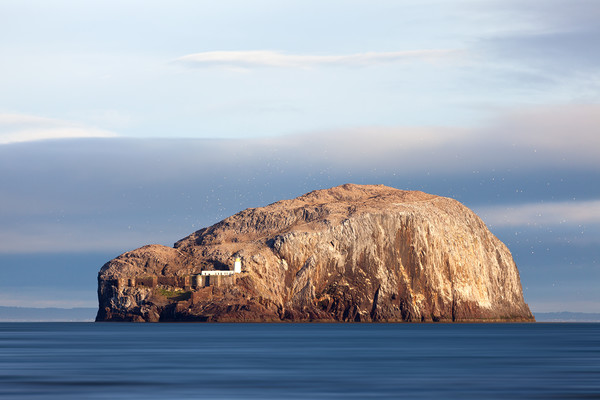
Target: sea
[299,361]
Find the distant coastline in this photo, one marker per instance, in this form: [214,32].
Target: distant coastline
[87,314]
[49,314]
[567,316]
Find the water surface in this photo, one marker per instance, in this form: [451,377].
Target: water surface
[299,361]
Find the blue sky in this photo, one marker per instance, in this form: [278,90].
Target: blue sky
[127,123]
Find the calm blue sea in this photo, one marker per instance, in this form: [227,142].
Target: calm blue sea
[299,361]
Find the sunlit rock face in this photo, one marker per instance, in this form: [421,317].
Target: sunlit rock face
[357,253]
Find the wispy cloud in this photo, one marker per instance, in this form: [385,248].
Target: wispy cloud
[553,39]
[533,214]
[59,236]
[555,136]
[564,133]
[275,59]
[16,128]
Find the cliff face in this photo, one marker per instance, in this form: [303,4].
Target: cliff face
[350,253]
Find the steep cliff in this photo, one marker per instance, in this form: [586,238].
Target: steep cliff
[350,253]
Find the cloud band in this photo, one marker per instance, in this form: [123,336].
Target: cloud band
[267,58]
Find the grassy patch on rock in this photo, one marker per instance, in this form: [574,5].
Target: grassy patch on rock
[175,294]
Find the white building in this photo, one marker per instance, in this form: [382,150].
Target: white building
[237,268]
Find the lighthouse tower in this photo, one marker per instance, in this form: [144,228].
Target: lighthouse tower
[237,266]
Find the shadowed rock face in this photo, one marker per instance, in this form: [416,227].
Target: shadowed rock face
[350,253]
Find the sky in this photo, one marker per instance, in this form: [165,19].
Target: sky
[135,122]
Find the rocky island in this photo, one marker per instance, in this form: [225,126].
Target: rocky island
[356,253]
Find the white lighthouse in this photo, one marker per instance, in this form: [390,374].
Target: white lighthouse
[237,265]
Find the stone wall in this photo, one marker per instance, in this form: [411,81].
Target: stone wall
[150,281]
[183,282]
[175,281]
[214,280]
